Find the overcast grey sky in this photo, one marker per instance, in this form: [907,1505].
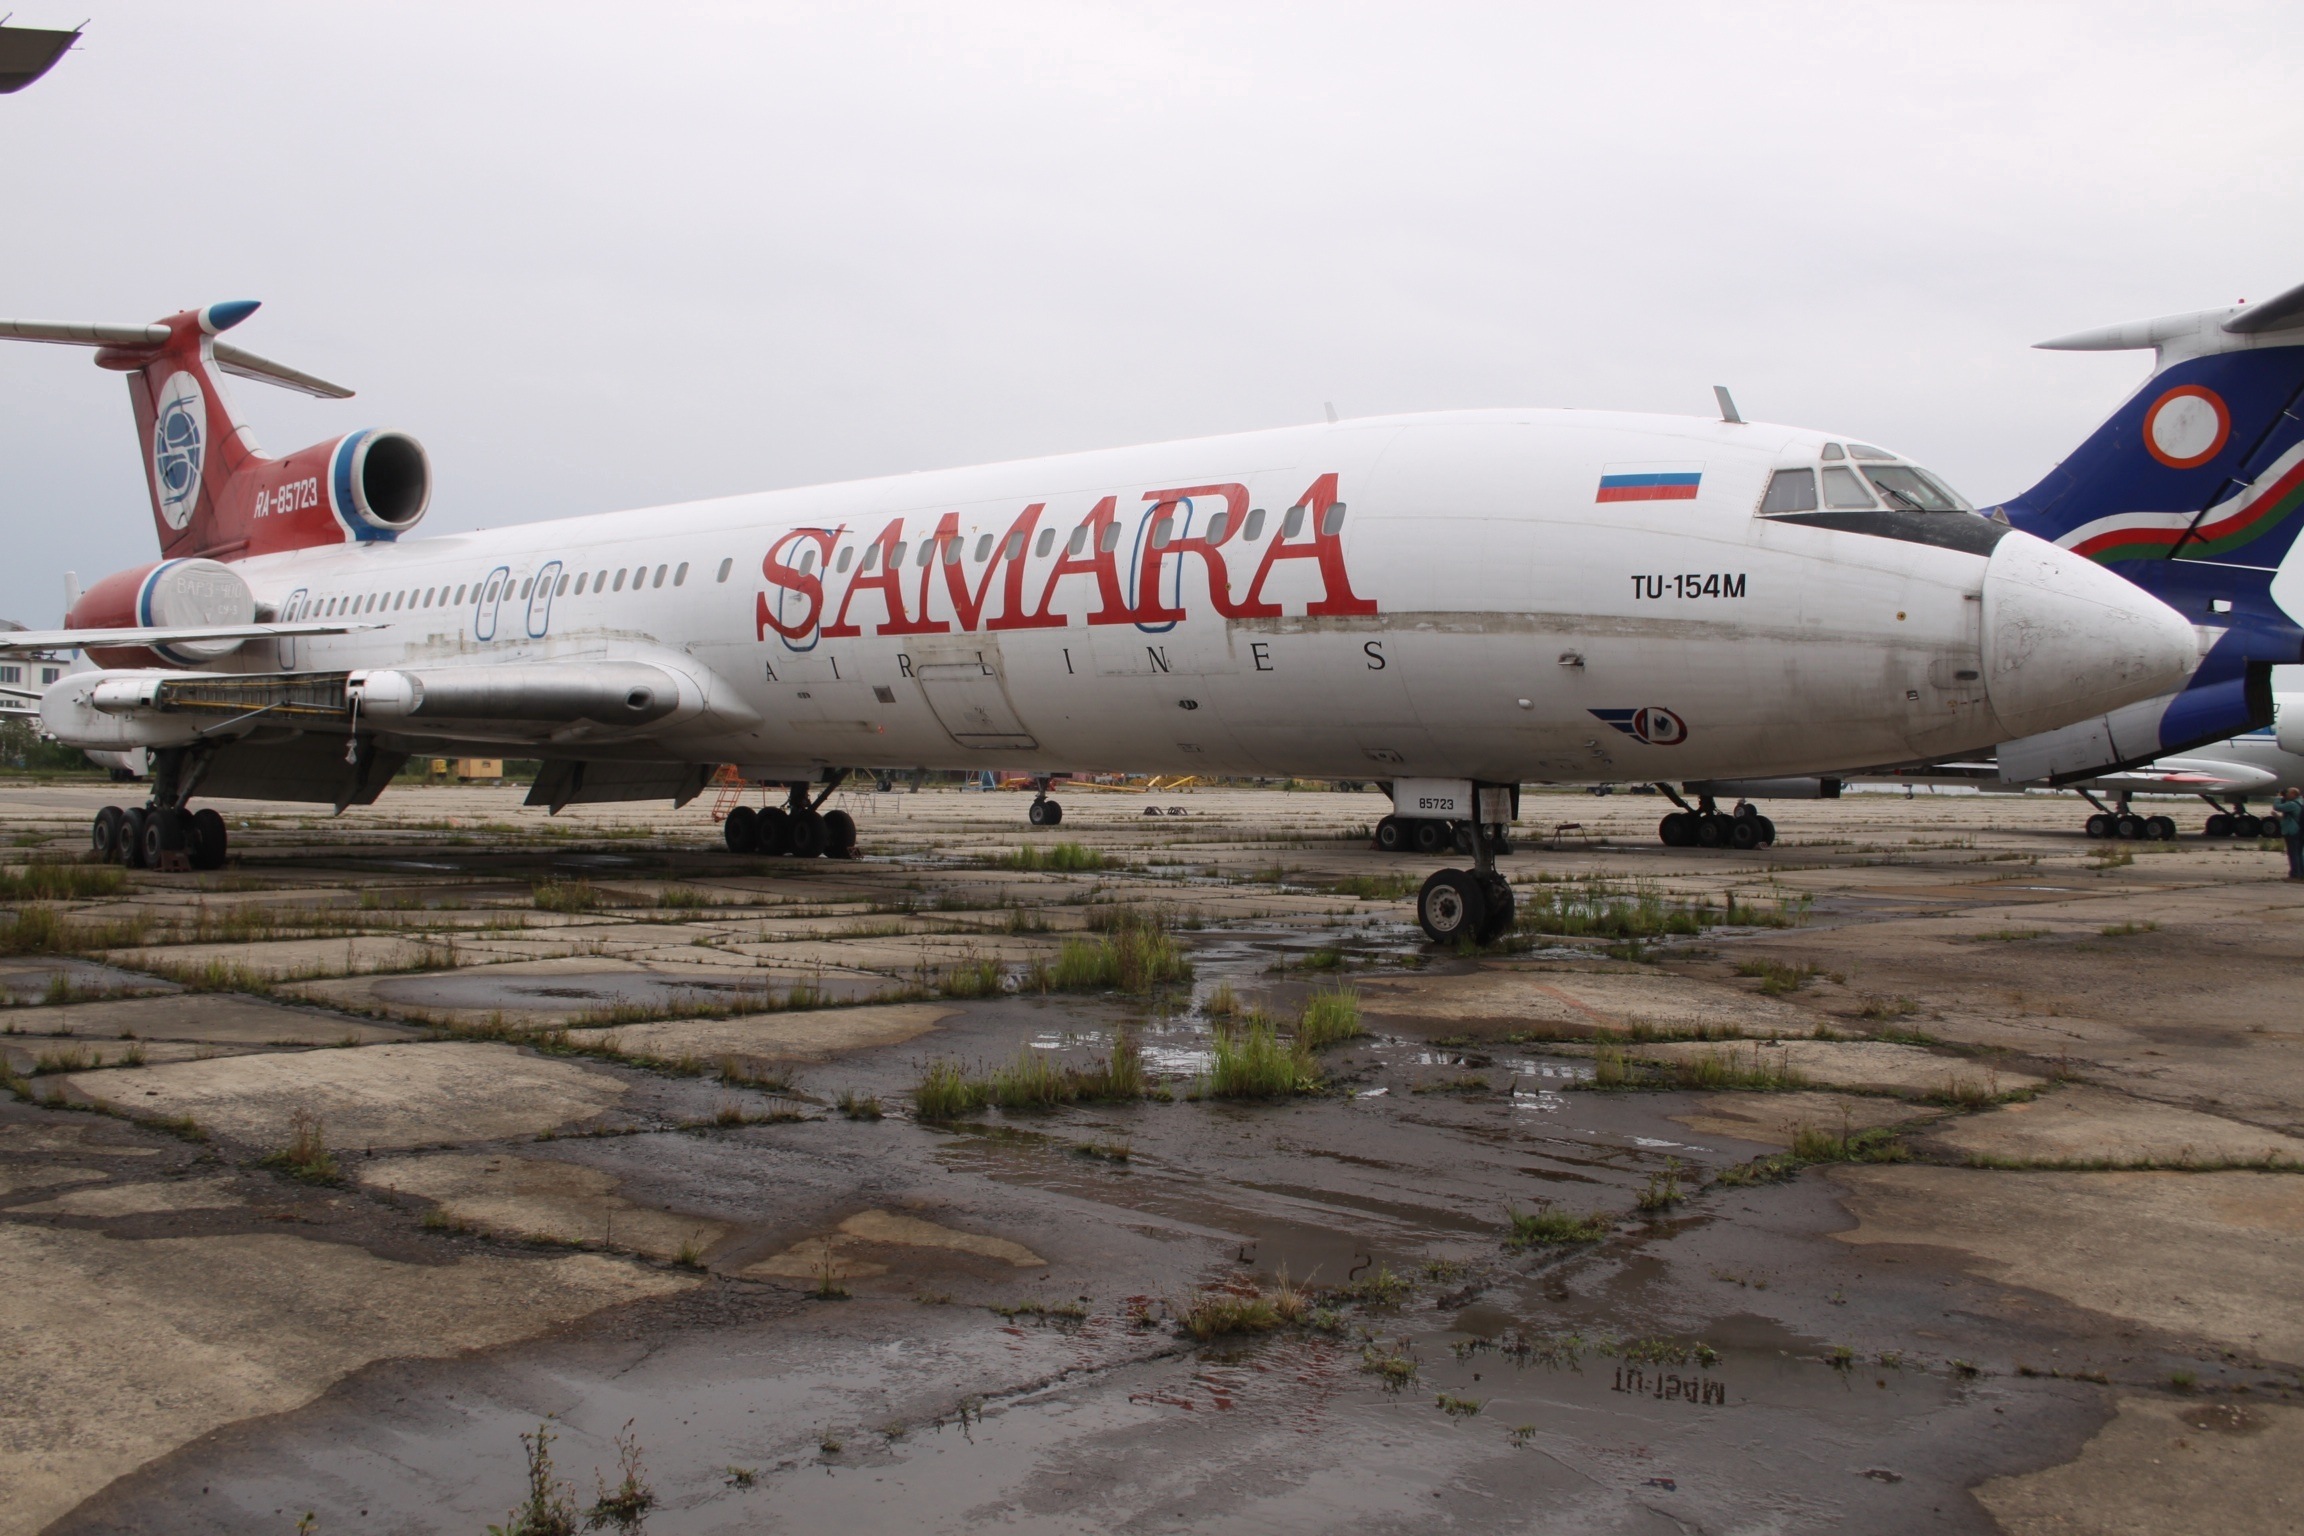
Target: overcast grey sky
[599,257]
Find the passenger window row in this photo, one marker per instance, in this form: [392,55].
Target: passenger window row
[444,596]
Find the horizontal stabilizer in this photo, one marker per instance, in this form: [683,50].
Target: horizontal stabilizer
[237,361]
[247,365]
[80,639]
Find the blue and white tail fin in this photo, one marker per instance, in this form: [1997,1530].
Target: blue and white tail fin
[2205,462]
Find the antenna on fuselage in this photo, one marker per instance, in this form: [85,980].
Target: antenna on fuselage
[1727,404]
[1330,407]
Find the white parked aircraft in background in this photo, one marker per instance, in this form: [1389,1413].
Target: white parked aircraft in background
[1454,603]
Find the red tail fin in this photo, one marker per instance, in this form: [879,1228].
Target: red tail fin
[214,493]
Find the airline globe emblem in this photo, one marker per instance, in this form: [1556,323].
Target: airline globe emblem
[176,447]
[1659,727]
[2187,426]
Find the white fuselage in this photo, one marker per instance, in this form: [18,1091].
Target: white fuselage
[1486,615]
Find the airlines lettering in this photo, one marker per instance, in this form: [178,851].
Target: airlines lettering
[295,496]
[891,587]
[1689,584]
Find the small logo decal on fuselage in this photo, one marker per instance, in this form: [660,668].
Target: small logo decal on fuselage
[178,429]
[1651,723]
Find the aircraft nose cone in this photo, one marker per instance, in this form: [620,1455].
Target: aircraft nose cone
[2065,639]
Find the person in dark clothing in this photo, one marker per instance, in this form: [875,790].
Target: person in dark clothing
[2291,809]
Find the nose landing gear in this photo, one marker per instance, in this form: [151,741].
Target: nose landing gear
[1043,811]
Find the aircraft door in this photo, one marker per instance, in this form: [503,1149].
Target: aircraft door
[540,600]
[487,599]
[964,688]
[289,648]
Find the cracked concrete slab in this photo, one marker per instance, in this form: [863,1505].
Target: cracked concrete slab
[2212,1255]
[542,1198]
[2165,1467]
[370,1096]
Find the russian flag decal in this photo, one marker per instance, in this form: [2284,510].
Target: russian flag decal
[1649,482]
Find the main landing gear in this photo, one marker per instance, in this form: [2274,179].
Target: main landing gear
[2238,821]
[163,834]
[797,829]
[2126,825]
[1044,812]
[1418,834]
[1704,826]
[1476,903]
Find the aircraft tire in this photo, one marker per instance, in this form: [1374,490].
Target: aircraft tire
[1676,830]
[741,831]
[1498,892]
[839,835]
[804,832]
[104,836]
[1710,833]
[1451,906]
[205,836]
[132,837]
[163,835]
[1767,833]
[1037,813]
[2099,825]
[1743,833]
[2128,826]
[2248,825]
[2219,825]
[1391,836]
[2161,829]
[1430,837]
[1053,816]
[772,833]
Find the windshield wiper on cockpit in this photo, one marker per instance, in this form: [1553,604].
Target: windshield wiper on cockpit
[1895,495]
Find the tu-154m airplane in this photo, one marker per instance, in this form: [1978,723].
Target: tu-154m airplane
[1452,603]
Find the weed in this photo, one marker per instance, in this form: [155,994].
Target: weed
[1778,979]
[565,896]
[1330,1016]
[1595,909]
[551,1506]
[1764,1071]
[1252,1063]
[858,1107]
[1385,887]
[1381,1289]
[1545,1226]
[1222,1003]
[1111,1149]
[306,1156]
[437,1219]
[1133,952]
[1522,1434]
[728,1112]
[739,1072]
[742,1477]
[690,1254]
[65,1058]
[1031,1081]
[683,898]
[36,931]
[627,1504]
[2110,858]
[1877,1145]
[1395,1369]
[1663,1191]
[2183,1381]
[1457,1407]
[2123,930]
[1058,858]
[974,976]
[45,881]
[1878,1007]
[945,1092]
[2006,935]
[1059,1312]
[828,1286]
[1213,1313]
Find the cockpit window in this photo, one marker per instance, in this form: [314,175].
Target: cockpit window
[1790,490]
[1832,451]
[1913,490]
[1860,451]
[1843,491]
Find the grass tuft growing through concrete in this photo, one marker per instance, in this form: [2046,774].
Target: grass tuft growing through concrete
[1545,1226]
[306,1156]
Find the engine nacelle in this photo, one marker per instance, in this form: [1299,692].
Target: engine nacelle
[546,696]
[115,711]
[382,481]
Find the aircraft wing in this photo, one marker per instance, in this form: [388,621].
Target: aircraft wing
[190,634]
